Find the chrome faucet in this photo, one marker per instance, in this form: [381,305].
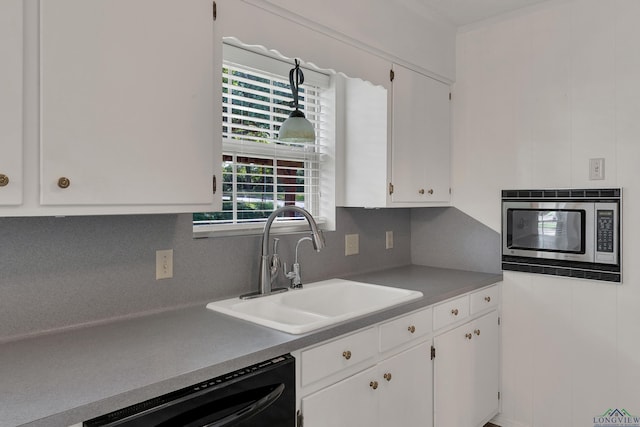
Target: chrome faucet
[268,267]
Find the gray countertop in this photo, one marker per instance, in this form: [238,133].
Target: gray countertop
[64,378]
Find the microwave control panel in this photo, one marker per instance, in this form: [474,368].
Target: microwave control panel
[604,230]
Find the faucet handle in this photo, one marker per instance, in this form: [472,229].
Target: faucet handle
[275,263]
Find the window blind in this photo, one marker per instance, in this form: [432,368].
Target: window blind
[261,173]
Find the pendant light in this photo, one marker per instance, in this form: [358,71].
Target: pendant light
[296,128]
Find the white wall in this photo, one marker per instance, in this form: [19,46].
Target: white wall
[537,95]
[347,39]
[404,31]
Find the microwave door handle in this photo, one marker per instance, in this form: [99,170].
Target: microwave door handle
[250,410]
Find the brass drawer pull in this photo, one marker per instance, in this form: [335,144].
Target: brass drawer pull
[346,354]
[421,191]
[4,180]
[373,384]
[430,191]
[411,329]
[477,332]
[468,336]
[487,299]
[454,311]
[64,182]
[387,376]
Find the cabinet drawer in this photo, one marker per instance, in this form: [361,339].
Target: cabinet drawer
[450,311]
[341,354]
[405,329]
[485,298]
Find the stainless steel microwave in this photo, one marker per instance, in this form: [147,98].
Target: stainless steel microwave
[571,232]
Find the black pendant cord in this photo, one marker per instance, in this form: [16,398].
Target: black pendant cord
[296,78]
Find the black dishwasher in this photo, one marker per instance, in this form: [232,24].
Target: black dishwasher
[256,396]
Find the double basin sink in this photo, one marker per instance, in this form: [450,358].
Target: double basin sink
[316,305]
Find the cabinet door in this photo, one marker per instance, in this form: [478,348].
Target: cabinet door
[486,366]
[467,373]
[127,102]
[11,48]
[351,402]
[406,393]
[452,376]
[420,138]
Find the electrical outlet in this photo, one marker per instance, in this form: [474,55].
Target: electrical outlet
[351,244]
[164,264]
[389,240]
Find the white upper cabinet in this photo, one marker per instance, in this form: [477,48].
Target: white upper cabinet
[420,138]
[11,101]
[366,150]
[127,105]
[397,142]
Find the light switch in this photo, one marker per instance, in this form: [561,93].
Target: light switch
[596,169]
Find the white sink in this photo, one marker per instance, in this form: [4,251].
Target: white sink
[316,305]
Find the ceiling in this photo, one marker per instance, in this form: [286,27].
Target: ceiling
[465,12]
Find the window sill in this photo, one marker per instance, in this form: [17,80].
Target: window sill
[253,229]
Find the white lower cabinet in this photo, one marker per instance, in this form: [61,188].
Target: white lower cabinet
[395,392]
[351,402]
[466,373]
[379,376]
[438,366]
[405,391]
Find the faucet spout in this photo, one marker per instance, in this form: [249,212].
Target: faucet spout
[265,274]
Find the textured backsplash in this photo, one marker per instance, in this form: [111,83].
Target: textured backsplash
[449,238]
[64,272]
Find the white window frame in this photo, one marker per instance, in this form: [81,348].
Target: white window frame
[261,59]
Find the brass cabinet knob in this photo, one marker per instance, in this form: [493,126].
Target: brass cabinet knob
[421,191]
[346,354]
[430,191]
[4,180]
[411,329]
[454,311]
[487,299]
[64,182]
[387,376]
[373,384]
[476,331]
[468,336]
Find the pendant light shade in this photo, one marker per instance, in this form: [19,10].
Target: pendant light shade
[296,128]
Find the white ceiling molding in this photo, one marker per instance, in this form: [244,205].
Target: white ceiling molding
[462,13]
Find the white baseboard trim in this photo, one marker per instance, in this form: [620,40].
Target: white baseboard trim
[502,421]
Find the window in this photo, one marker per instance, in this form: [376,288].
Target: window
[259,172]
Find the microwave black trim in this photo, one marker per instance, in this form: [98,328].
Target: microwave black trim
[563,268]
[595,194]
[604,276]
